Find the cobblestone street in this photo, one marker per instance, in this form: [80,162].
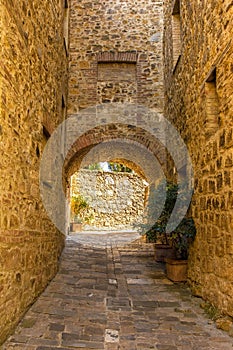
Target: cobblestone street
[114,296]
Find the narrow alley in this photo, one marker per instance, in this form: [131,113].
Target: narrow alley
[113,295]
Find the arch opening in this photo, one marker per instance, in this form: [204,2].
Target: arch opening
[115,200]
[101,124]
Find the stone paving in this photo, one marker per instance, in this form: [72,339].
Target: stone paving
[111,296]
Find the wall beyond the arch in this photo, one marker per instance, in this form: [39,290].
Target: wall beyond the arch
[199,101]
[116,199]
[32,82]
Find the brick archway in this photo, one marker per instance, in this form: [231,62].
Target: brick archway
[127,135]
[131,145]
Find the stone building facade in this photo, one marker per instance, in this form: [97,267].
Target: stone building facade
[117,200]
[33,93]
[116,57]
[198,51]
[117,54]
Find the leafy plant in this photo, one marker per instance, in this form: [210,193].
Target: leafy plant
[119,167]
[115,167]
[182,237]
[212,312]
[79,209]
[157,232]
[94,166]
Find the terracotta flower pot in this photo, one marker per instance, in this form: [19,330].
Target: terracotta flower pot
[76,227]
[163,251]
[177,270]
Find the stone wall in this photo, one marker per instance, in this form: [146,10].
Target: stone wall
[32,102]
[115,58]
[117,200]
[117,55]
[199,101]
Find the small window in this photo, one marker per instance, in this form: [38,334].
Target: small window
[66,26]
[46,133]
[63,104]
[63,108]
[63,127]
[46,136]
[176,33]
[211,104]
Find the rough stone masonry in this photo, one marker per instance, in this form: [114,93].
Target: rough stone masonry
[126,51]
[198,100]
[33,84]
[117,200]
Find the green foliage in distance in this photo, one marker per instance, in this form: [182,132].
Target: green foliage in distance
[94,166]
[117,167]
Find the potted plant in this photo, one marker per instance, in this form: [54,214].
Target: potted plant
[157,232]
[180,238]
[79,213]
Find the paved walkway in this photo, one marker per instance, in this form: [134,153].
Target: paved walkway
[104,239]
[111,296]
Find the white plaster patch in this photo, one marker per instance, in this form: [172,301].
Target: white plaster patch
[112,281]
[111,336]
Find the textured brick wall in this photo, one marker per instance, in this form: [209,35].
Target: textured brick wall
[115,33]
[33,75]
[116,199]
[204,118]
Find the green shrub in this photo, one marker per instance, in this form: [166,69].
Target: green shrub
[80,209]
